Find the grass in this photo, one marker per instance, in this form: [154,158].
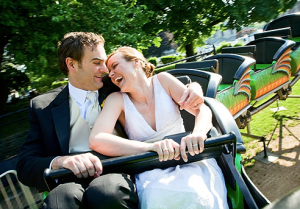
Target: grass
[264,122]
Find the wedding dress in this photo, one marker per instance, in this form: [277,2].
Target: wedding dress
[193,185]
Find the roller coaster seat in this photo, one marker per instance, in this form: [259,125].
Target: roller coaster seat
[270,49]
[232,66]
[208,81]
[290,20]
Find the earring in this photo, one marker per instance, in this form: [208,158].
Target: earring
[135,69]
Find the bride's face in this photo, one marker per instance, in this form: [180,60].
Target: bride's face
[121,72]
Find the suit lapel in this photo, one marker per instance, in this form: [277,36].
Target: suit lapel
[61,118]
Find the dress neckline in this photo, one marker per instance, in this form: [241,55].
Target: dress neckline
[155,108]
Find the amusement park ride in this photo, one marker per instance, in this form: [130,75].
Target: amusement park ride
[233,82]
[237,84]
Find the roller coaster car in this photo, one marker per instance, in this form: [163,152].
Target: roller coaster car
[290,20]
[287,27]
[271,73]
[224,143]
[235,86]
[273,69]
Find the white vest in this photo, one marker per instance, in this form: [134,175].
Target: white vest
[80,129]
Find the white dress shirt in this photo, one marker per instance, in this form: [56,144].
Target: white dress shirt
[79,96]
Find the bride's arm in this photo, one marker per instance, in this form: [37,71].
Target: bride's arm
[101,140]
[203,116]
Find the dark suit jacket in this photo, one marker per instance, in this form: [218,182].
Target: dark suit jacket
[48,137]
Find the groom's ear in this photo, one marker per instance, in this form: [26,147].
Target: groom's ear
[70,64]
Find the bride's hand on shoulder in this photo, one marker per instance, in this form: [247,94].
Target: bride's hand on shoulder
[166,149]
[194,143]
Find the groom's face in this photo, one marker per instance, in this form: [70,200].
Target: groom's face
[88,74]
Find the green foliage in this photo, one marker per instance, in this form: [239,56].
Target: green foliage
[202,18]
[239,43]
[42,84]
[153,60]
[165,45]
[14,78]
[162,69]
[168,59]
[222,45]
[30,29]
[57,84]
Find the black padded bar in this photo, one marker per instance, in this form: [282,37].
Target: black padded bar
[282,33]
[146,161]
[207,65]
[184,79]
[241,50]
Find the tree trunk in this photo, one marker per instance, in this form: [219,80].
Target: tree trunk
[190,52]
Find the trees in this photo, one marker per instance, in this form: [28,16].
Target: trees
[165,44]
[30,30]
[187,20]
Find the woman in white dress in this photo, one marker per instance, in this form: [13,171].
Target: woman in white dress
[147,108]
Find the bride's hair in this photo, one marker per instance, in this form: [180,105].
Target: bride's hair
[129,54]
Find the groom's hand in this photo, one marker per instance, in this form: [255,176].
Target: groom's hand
[82,165]
[192,97]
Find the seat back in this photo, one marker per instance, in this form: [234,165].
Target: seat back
[290,20]
[269,49]
[248,51]
[208,81]
[15,194]
[232,66]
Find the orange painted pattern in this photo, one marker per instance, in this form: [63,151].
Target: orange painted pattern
[238,107]
[271,86]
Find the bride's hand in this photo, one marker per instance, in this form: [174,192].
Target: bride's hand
[194,143]
[166,149]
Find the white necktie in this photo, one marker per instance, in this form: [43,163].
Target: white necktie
[93,109]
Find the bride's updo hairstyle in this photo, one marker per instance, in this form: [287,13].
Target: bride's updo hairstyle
[130,54]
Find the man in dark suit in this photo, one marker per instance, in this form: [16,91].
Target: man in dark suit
[51,142]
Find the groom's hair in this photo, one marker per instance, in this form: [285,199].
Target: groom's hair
[73,46]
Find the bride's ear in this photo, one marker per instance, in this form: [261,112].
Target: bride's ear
[136,62]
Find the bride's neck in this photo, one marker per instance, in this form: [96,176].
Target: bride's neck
[142,93]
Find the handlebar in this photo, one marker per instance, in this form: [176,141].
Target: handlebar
[149,160]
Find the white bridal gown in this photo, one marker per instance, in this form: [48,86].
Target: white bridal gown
[193,185]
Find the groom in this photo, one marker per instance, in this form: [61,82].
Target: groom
[57,115]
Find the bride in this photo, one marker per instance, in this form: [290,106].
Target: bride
[147,108]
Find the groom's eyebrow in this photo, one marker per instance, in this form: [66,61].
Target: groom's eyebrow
[98,58]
